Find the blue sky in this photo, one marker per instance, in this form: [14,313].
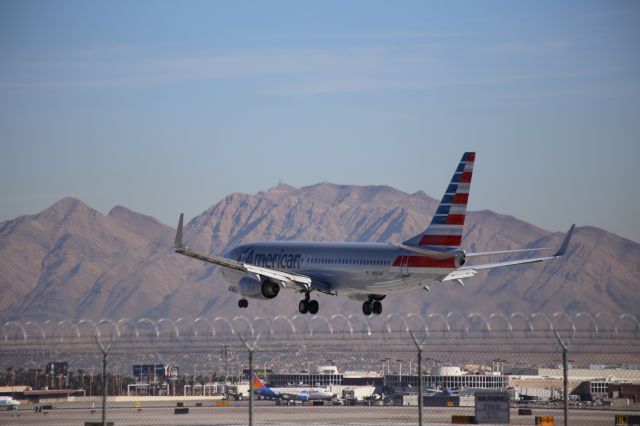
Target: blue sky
[166,107]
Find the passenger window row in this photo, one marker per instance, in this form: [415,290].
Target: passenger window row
[364,262]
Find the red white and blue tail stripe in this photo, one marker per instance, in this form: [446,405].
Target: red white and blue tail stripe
[447,224]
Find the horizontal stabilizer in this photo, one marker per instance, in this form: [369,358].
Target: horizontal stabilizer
[561,251]
[493,253]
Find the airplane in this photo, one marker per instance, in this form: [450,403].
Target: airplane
[301,394]
[365,272]
[10,403]
[437,391]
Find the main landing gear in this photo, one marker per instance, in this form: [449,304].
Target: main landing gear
[307,305]
[243,303]
[372,307]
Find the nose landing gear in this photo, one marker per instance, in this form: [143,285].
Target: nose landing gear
[243,303]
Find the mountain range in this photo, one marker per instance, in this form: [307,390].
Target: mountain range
[71,261]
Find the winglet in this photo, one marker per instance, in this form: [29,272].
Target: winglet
[563,248]
[178,241]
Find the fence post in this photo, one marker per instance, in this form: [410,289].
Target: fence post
[251,347]
[250,387]
[419,346]
[104,351]
[565,378]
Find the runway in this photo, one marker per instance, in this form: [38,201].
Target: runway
[267,414]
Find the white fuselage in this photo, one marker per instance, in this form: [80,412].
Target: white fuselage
[353,269]
[311,393]
[7,401]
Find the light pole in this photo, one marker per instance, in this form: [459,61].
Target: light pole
[419,346]
[251,348]
[195,379]
[104,351]
[226,351]
[91,383]
[565,377]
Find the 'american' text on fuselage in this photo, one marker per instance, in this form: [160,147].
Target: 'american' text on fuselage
[280,260]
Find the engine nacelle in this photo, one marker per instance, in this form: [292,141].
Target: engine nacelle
[249,286]
[460,258]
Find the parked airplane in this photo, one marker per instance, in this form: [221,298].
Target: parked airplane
[7,401]
[365,272]
[301,394]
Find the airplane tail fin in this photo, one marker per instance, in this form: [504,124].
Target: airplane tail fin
[447,224]
[257,382]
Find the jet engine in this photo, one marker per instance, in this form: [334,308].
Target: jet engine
[250,286]
[461,258]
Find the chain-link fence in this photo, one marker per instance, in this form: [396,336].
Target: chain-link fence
[321,370]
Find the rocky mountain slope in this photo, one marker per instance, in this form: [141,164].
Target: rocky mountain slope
[72,262]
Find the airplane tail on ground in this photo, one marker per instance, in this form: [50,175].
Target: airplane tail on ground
[260,388]
[257,382]
[447,224]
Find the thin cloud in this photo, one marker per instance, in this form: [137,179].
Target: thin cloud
[527,48]
[120,67]
[348,86]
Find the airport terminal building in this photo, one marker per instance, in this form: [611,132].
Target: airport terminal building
[326,376]
[405,383]
[444,377]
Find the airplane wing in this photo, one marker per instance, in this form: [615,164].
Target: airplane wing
[301,282]
[471,270]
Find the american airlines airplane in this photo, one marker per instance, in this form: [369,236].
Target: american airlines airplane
[365,272]
[301,394]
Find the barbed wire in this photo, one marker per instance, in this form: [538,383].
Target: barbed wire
[305,327]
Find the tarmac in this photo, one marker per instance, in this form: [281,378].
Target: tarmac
[267,413]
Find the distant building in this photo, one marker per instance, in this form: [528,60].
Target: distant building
[263,373]
[57,368]
[455,382]
[155,371]
[326,376]
[589,384]
[592,390]
[625,390]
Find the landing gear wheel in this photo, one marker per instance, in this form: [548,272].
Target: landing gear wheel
[367,307]
[313,307]
[376,307]
[303,306]
[243,303]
